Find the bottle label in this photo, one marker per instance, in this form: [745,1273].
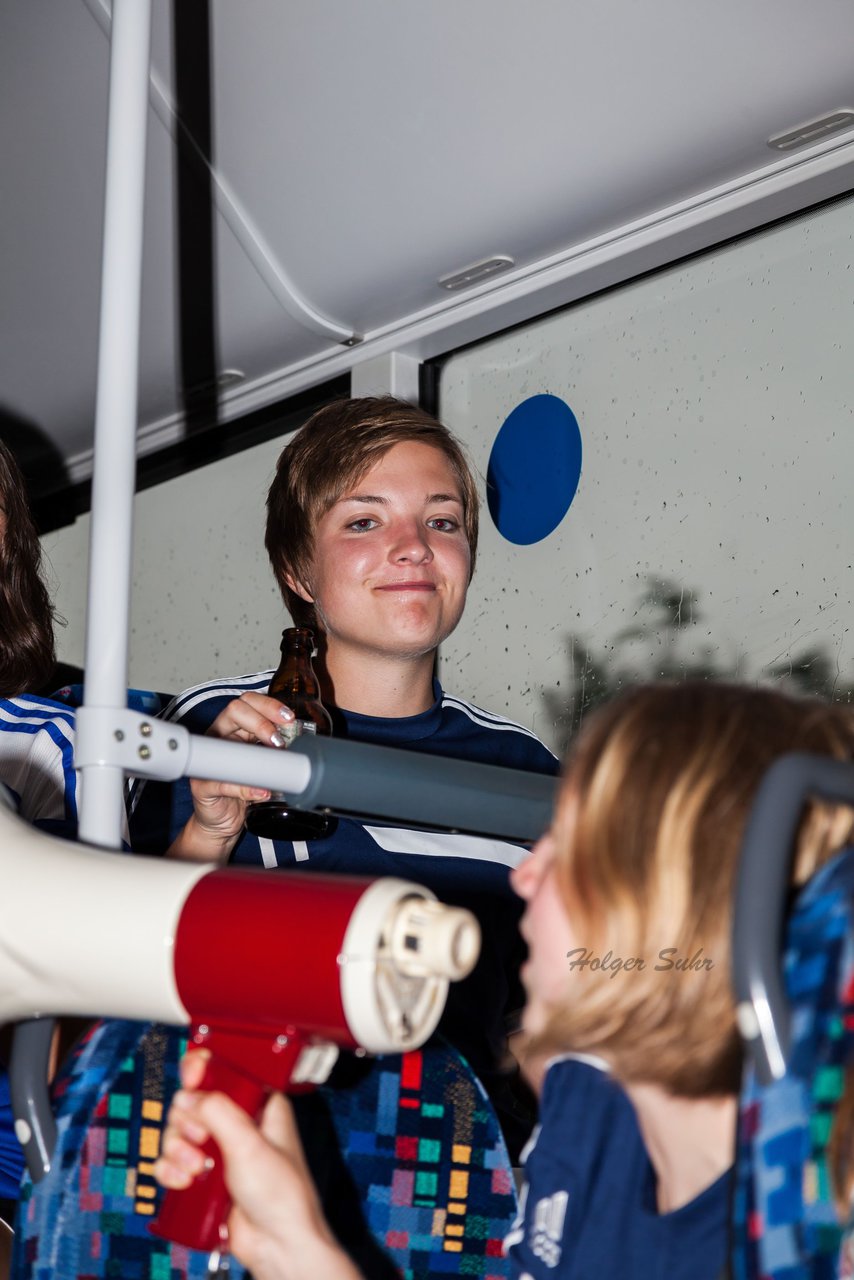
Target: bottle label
[287,732]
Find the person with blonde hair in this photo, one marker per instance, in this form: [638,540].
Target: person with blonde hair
[629,904]
[628,915]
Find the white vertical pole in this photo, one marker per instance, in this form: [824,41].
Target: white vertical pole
[111,536]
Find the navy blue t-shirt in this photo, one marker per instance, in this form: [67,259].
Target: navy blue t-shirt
[463,870]
[11,1154]
[588,1202]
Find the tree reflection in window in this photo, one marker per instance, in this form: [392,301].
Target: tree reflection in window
[669,639]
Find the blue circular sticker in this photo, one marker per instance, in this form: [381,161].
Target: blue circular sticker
[534,469]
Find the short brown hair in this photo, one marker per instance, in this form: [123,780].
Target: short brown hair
[648,829]
[330,453]
[27,653]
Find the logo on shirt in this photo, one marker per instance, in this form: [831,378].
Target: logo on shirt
[546,1231]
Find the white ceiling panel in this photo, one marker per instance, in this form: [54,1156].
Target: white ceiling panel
[361,151]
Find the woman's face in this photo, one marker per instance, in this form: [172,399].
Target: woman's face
[547,930]
[391,559]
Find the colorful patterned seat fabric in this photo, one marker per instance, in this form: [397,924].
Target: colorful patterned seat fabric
[785,1224]
[406,1152]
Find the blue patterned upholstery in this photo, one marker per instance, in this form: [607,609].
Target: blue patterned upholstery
[785,1224]
[406,1151]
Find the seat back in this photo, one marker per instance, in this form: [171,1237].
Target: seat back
[785,1225]
[406,1151]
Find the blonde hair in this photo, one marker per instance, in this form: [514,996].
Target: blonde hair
[648,828]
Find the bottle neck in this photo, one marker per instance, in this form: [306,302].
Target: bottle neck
[296,675]
[298,640]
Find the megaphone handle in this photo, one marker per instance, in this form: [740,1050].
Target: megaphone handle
[29,1062]
[197,1216]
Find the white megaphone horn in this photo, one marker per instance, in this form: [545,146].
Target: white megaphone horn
[272,972]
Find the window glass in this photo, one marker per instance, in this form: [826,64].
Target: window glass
[711,530]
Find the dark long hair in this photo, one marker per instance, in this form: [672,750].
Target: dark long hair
[27,651]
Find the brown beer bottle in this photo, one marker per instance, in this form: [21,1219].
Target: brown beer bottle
[296,685]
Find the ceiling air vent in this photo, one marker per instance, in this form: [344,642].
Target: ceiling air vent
[812,131]
[476,272]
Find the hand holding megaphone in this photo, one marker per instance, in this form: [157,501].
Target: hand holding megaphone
[272,973]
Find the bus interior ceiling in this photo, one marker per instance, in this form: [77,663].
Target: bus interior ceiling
[327,184]
[336,194]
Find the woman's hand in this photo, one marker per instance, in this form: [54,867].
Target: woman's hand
[276,1225]
[219,808]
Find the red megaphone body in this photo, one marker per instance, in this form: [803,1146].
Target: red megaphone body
[273,973]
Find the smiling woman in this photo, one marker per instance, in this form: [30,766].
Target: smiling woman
[388,578]
[330,455]
[371,530]
[372,523]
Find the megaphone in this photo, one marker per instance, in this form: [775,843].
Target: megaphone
[272,973]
